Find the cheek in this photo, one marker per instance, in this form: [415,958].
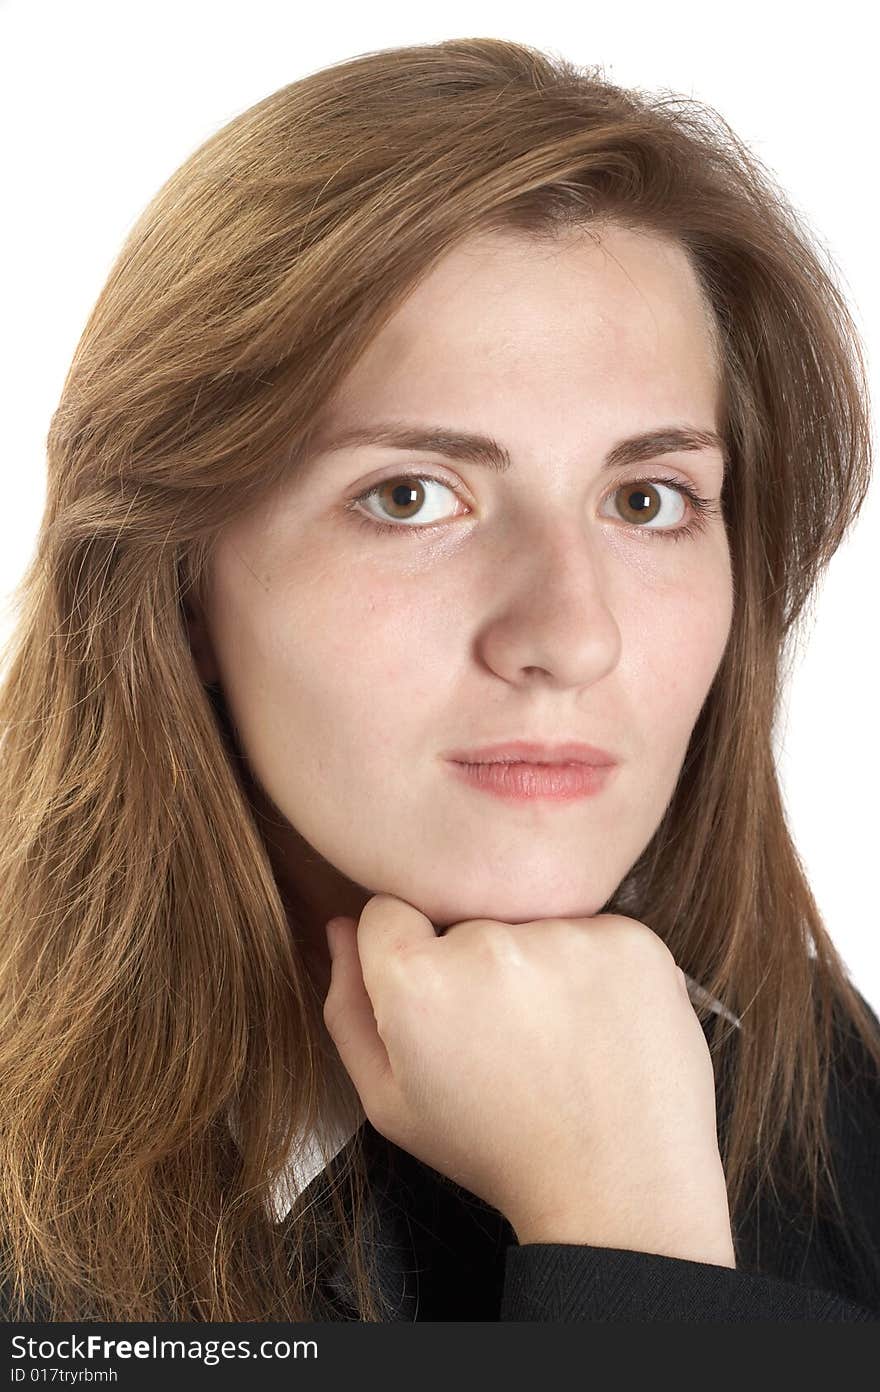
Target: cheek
[678,645]
[384,635]
[341,671]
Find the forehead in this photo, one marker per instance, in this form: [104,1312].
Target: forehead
[619,313]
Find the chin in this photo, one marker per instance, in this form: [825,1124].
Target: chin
[518,908]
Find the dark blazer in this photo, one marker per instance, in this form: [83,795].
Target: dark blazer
[443,1254]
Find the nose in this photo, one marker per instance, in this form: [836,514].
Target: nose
[553,617]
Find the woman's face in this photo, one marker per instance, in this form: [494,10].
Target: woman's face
[551,601]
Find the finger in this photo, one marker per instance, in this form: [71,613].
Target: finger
[351,1024]
[386,926]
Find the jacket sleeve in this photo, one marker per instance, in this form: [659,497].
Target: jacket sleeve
[567,1282]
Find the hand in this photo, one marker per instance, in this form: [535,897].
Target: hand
[556,1069]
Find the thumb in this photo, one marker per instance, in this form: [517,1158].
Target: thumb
[348,1015]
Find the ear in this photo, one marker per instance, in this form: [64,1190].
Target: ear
[200,642]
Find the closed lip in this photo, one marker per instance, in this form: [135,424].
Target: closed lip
[531,752]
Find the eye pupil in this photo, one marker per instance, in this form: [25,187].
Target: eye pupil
[407,490]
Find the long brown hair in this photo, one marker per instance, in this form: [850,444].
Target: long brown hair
[162,1046]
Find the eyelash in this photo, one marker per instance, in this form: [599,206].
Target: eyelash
[703,508]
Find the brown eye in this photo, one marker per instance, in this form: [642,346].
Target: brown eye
[407,498]
[641,502]
[401,498]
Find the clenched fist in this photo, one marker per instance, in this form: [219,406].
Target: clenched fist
[556,1069]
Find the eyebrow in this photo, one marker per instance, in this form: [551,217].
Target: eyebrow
[484,450]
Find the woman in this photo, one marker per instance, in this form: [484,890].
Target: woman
[584,1035]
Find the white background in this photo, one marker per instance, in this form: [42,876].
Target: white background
[100,102]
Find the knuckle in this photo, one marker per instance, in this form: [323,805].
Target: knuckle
[640,939]
[408,963]
[646,940]
[500,940]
